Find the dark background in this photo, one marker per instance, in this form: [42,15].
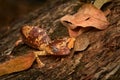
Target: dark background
[13,10]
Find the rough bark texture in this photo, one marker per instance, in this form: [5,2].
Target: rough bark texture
[100,61]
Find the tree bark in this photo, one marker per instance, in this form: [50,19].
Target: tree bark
[100,61]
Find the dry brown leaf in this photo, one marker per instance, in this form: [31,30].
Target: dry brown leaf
[87,16]
[81,43]
[17,64]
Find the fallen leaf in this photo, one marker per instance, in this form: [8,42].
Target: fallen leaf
[87,16]
[100,3]
[17,64]
[81,43]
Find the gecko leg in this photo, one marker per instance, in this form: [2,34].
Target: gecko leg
[39,62]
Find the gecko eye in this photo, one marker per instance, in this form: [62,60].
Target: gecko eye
[55,49]
[58,48]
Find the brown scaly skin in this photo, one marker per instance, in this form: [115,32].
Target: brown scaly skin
[37,38]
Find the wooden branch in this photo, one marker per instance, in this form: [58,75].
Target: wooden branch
[101,60]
